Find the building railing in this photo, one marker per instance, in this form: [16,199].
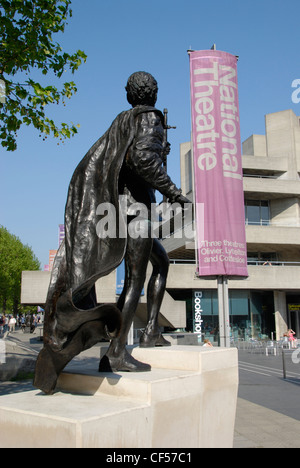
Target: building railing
[272,263]
[174,261]
[268,222]
[262,222]
[264,176]
[181,261]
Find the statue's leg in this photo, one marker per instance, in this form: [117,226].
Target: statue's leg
[155,293]
[136,261]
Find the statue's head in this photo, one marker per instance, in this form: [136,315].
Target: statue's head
[141,89]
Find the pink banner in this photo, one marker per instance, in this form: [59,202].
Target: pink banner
[219,198]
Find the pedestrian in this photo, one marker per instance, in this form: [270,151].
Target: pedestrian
[207,343]
[292,339]
[5,324]
[12,324]
[32,323]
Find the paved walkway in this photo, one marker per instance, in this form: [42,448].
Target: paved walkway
[260,427]
[268,411]
[256,426]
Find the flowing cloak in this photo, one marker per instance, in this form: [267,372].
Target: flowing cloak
[84,257]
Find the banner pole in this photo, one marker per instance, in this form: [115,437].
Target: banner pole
[221,311]
[223,301]
[226,312]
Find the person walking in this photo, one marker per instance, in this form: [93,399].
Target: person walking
[1,325]
[292,339]
[5,324]
[12,324]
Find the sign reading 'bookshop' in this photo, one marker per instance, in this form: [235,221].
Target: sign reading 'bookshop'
[217,158]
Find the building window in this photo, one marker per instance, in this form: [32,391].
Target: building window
[251,314]
[262,258]
[257,212]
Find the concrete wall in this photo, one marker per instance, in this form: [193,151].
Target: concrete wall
[35,285]
[273,236]
[280,313]
[260,278]
[285,212]
[267,189]
[255,144]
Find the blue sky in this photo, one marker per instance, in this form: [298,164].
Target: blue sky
[124,36]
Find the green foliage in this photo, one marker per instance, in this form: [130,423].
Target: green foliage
[14,258]
[26,29]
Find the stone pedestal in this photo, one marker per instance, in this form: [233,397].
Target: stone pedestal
[188,400]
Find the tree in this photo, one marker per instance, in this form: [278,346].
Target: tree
[15,257]
[26,29]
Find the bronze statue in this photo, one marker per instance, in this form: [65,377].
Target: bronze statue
[127,161]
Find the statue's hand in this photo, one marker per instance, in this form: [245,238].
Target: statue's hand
[166,149]
[182,200]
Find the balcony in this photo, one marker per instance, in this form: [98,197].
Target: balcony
[270,277]
[261,277]
[265,165]
[273,236]
[262,237]
[262,187]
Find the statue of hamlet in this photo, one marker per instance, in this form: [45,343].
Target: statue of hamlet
[126,160]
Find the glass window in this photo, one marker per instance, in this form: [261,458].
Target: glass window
[253,212]
[264,213]
[268,257]
[252,258]
[251,314]
[261,258]
[239,303]
[257,212]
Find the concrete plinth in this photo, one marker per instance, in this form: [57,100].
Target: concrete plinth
[188,400]
[184,338]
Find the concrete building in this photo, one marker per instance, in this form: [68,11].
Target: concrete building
[267,302]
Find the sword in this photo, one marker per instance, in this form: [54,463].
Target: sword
[166,149]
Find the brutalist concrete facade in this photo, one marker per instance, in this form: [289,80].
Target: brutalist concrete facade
[271,167]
